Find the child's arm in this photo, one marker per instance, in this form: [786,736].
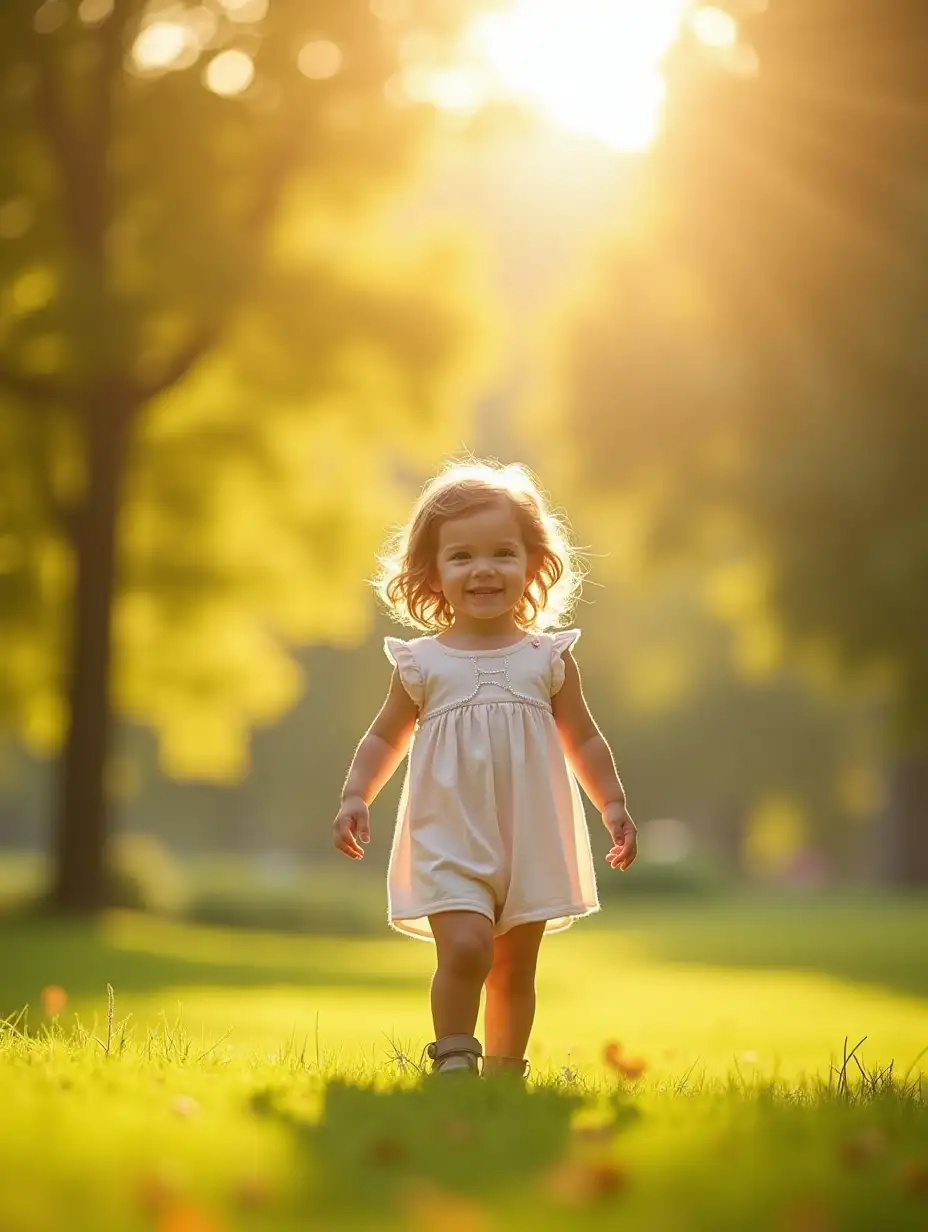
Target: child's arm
[591,758]
[381,750]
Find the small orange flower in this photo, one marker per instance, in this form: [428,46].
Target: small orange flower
[54,999]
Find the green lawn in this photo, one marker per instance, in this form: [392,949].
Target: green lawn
[257,1084]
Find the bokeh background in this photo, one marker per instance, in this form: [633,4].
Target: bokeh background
[266,264]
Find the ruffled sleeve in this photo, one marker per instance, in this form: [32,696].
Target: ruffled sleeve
[560,641]
[401,656]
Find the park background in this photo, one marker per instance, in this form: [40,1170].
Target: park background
[266,265]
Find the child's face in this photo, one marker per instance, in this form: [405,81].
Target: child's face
[482,565]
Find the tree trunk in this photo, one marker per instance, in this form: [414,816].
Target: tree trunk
[903,835]
[82,823]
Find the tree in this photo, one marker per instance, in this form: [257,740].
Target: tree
[208,373]
[752,355]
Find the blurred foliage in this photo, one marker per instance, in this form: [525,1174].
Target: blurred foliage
[283,359]
[144,876]
[336,365]
[706,729]
[274,893]
[279,892]
[750,358]
[698,740]
[288,911]
[695,740]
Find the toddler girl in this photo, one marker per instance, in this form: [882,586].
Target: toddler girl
[491,848]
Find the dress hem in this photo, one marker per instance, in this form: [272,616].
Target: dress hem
[568,914]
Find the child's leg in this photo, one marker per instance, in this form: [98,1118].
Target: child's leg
[510,1008]
[464,941]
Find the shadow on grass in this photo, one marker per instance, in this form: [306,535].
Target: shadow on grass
[374,1148]
[869,940]
[142,955]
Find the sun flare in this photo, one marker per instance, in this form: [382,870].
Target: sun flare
[592,66]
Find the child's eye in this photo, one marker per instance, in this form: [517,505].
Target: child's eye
[505,552]
[460,556]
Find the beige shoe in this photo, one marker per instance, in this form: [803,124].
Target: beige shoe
[455,1054]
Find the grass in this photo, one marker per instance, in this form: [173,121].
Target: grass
[259,1081]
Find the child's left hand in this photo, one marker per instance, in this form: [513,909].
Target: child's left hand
[624,833]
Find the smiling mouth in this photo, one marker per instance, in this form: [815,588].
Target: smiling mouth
[486,590]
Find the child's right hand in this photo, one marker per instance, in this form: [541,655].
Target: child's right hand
[352,824]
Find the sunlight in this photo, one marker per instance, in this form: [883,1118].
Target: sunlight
[245,11]
[92,12]
[159,45]
[714,27]
[320,59]
[229,73]
[592,67]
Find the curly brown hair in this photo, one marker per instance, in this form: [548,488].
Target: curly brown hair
[407,565]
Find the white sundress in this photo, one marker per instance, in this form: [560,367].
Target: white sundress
[490,818]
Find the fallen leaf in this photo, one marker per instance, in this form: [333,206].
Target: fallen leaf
[807,1215]
[54,999]
[387,1151]
[607,1178]
[157,1191]
[594,1133]
[631,1067]
[431,1209]
[253,1192]
[913,1177]
[458,1130]
[187,1219]
[862,1148]
[611,1053]
[577,1183]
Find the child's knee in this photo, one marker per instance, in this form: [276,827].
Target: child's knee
[467,950]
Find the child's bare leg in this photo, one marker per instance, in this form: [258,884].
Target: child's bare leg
[510,1008]
[464,940]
